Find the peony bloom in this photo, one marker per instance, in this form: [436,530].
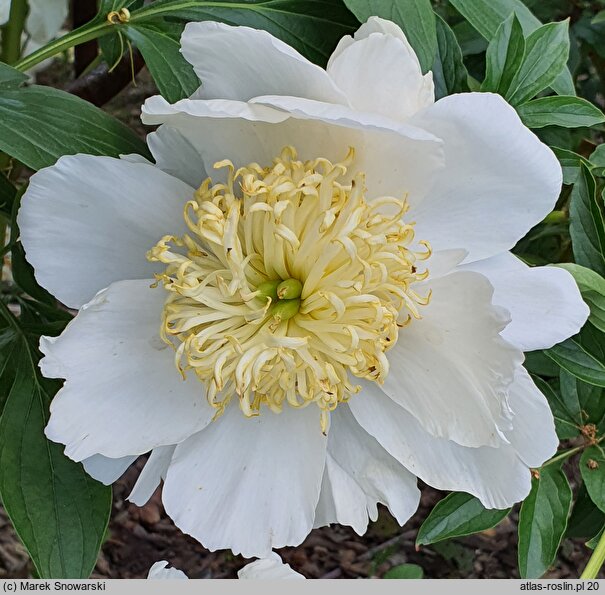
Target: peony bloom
[308,300]
[270,568]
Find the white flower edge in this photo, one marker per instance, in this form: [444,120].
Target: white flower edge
[270,568]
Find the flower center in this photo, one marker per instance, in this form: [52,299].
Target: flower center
[289,284]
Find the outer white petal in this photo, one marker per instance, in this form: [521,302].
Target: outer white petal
[359,474]
[397,159]
[497,476]
[89,221]
[451,369]
[381,73]
[248,485]
[153,472]
[241,63]
[271,568]
[499,179]
[545,303]
[123,395]
[161,571]
[533,433]
[107,470]
[45,19]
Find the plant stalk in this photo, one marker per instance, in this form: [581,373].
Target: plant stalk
[596,560]
[12,32]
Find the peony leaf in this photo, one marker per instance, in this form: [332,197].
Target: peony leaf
[449,71]
[572,356]
[562,110]
[543,521]
[313,28]
[504,56]
[458,514]
[10,78]
[39,124]
[405,571]
[546,53]
[587,223]
[597,159]
[565,409]
[159,42]
[487,15]
[585,518]
[592,468]
[592,287]
[415,17]
[58,511]
[571,163]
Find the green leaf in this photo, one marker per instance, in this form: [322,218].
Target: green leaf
[11,78]
[592,543]
[598,18]
[578,361]
[537,362]
[39,124]
[159,43]
[415,17]
[587,224]
[504,56]
[592,287]
[561,110]
[407,571]
[571,163]
[597,159]
[546,53]
[565,409]
[592,468]
[312,27]
[587,399]
[486,15]
[458,514]
[449,72]
[585,518]
[59,512]
[543,521]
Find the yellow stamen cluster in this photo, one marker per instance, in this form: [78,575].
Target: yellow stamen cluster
[288,284]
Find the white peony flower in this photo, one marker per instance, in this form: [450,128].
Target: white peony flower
[334,314]
[270,568]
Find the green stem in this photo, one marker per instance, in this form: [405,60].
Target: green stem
[596,560]
[83,34]
[13,31]
[100,27]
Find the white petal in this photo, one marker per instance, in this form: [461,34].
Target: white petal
[397,158]
[123,394]
[153,472]
[495,475]
[533,434]
[89,221]
[359,474]
[499,180]
[248,485]
[545,303]
[107,470]
[451,368]
[160,571]
[241,63]
[176,156]
[381,73]
[271,568]
[45,19]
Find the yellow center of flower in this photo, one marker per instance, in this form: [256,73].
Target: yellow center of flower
[289,285]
